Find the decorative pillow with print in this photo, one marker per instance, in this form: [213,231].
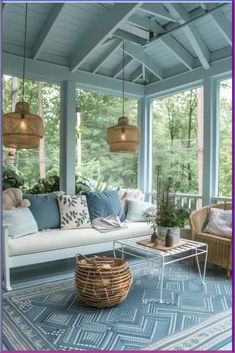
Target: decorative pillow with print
[73,211]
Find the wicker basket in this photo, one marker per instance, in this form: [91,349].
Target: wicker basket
[102,281]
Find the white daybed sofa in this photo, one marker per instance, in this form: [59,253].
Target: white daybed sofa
[55,244]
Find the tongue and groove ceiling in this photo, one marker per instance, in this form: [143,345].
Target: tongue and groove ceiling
[161,40]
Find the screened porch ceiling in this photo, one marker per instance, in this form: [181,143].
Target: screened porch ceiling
[162,40]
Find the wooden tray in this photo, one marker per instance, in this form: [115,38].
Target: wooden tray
[148,244]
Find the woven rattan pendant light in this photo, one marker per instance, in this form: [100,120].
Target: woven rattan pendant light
[22,129]
[123,137]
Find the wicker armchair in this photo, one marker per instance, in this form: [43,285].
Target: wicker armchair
[219,249]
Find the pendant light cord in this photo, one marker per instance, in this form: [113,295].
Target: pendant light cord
[25,37]
[123,81]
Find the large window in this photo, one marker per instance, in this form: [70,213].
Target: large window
[95,113]
[178,140]
[225,138]
[44,100]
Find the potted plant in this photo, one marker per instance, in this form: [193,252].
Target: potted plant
[167,220]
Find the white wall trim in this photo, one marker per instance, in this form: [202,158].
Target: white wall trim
[188,79]
[37,70]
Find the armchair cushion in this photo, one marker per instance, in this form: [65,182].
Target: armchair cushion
[219,223]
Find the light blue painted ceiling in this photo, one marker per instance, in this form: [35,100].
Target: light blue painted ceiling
[163,39]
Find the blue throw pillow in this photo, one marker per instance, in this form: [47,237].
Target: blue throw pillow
[21,222]
[104,203]
[45,210]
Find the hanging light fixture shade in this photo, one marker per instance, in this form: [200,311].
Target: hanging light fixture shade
[22,129]
[123,137]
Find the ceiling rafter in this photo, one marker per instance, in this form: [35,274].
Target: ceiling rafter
[129,36]
[179,51]
[192,33]
[119,68]
[138,53]
[147,23]
[115,45]
[158,11]
[171,28]
[47,28]
[136,74]
[142,33]
[223,25]
[107,25]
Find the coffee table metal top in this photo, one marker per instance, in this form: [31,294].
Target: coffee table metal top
[190,245]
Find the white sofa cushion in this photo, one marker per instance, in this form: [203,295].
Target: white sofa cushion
[55,239]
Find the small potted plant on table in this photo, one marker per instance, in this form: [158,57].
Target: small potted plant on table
[167,220]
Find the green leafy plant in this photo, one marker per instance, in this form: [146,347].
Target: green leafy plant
[166,214]
[81,184]
[46,185]
[11,178]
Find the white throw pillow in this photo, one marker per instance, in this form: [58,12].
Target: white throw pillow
[125,194]
[137,209]
[219,222]
[21,222]
[73,211]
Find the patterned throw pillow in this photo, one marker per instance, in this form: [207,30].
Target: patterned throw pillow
[73,211]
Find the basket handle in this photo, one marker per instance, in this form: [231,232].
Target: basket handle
[84,257]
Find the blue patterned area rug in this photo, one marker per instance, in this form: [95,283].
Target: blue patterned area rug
[51,316]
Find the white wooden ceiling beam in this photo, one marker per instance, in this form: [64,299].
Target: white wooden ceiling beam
[142,33]
[203,6]
[115,45]
[178,50]
[129,36]
[147,23]
[137,74]
[119,68]
[103,29]
[198,45]
[157,10]
[138,53]
[192,33]
[223,25]
[47,28]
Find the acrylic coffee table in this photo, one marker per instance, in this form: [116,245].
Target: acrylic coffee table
[191,249]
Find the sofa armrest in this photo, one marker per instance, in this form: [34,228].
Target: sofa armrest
[197,220]
[6,269]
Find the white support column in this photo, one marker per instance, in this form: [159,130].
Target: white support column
[67,137]
[210,141]
[145,152]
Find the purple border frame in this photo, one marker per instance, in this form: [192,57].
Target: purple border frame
[233,146]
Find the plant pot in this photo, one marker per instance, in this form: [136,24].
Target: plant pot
[173,232]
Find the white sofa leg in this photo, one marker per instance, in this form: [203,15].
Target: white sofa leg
[6,270]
